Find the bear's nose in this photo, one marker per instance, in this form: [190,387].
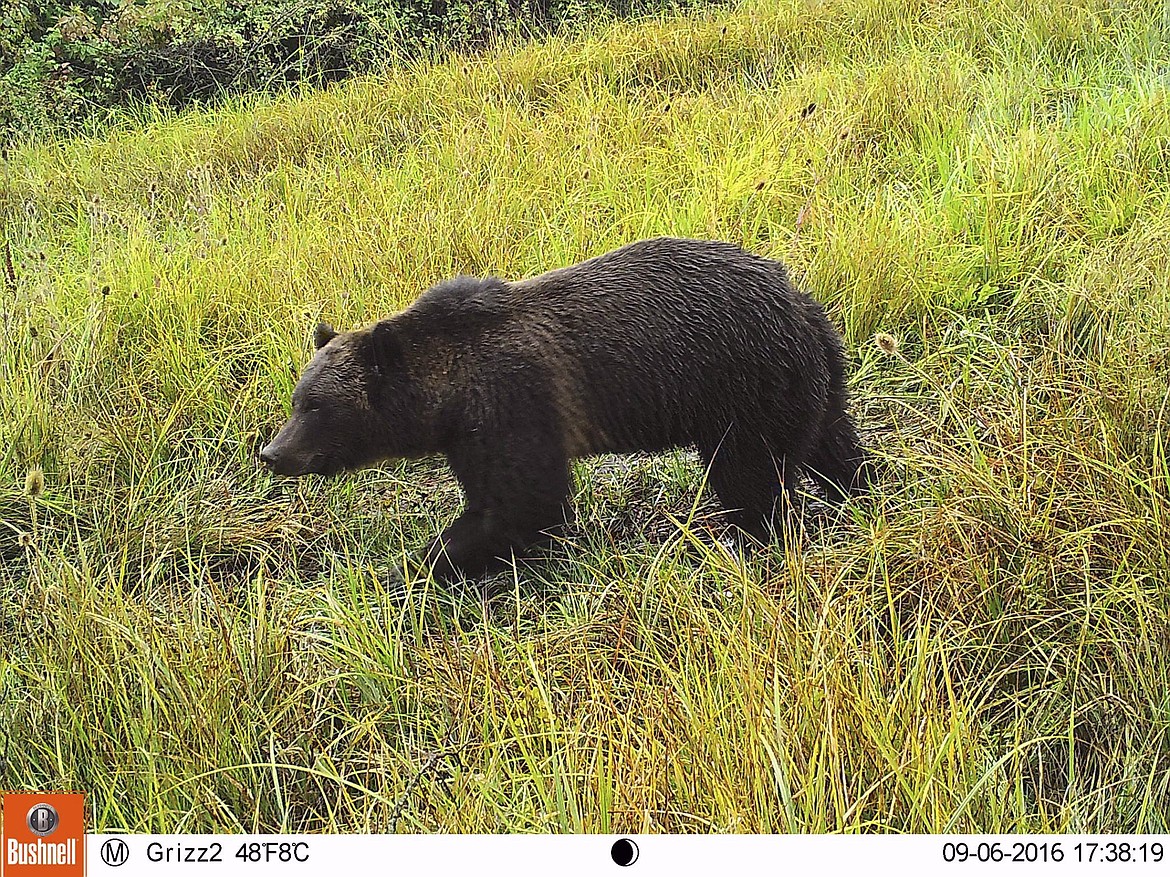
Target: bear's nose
[267,457]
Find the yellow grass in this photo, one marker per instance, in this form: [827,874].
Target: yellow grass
[980,646]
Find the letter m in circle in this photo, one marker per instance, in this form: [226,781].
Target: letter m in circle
[115,852]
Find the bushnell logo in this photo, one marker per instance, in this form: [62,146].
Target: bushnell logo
[43,835]
[43,819]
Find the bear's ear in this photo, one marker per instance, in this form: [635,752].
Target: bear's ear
[386,346]
[322,335]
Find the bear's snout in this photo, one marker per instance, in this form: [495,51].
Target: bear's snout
[269,457]
[282,456]
[282,463]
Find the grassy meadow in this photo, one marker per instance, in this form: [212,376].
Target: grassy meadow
[979,192]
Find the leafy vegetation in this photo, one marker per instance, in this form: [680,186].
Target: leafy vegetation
[979,193]
[64,64]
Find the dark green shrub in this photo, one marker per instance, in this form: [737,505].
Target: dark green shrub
[62,64]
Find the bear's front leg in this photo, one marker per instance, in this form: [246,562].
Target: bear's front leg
[515,501]
[479,542]
[466,549]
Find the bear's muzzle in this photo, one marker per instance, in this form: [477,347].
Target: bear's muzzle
[289,454]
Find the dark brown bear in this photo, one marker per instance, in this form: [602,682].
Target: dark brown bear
[659,344]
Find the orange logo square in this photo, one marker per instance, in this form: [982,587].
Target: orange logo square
[43,835]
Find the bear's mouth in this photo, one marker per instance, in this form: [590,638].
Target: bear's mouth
[326,469]
[317,464]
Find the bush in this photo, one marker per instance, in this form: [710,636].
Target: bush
[63,64]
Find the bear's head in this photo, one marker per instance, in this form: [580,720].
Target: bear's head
[355,404]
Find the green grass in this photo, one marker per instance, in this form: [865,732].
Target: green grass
[982,645]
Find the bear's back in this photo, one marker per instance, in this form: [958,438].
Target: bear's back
[661,337]
[638,347]
[662,282]
[651,274]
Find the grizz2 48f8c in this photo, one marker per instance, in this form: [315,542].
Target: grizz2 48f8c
[660,344]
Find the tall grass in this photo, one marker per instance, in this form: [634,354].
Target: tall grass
[982,645]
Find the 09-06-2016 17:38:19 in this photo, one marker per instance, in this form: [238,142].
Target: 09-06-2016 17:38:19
[1028,851]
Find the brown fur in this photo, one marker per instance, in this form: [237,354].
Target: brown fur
[659,344]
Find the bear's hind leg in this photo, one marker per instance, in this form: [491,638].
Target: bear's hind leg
[748,481]
[837,463]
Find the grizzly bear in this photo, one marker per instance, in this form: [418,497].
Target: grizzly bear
[659,344]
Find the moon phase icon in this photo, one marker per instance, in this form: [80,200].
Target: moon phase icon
[624,852]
